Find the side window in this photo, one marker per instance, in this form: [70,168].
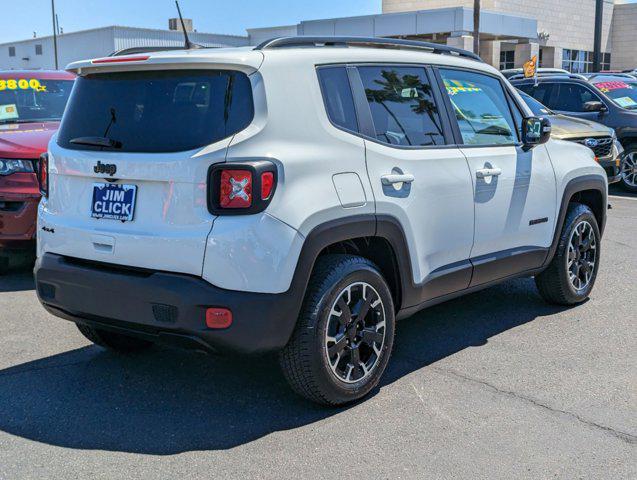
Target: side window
[481,108]
[542,93]
[402,106]
[571,97]
[338,98]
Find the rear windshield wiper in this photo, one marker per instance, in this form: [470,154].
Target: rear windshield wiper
[96,142]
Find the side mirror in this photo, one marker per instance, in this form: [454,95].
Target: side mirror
[594,106]
[535,131]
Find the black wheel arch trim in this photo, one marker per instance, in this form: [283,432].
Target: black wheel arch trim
[449,280]
[573,187]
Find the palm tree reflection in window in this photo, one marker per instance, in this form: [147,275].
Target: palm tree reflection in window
[396,90]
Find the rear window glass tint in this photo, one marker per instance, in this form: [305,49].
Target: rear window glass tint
[337,94]
[165,111]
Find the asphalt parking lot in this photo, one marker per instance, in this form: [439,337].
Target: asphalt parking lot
[494,385]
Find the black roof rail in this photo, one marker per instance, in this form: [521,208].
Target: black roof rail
[520,76]
[371,42]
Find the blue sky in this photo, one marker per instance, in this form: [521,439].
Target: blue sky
[21,18]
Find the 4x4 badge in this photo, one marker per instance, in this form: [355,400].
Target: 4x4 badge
[108,168]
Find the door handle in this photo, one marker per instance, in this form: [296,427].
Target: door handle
[488,172]
[393,178]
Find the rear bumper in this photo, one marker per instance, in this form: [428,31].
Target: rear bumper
[164,307]
[19,197]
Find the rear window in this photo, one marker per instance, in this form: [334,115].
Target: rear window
[338,97]
[167,111]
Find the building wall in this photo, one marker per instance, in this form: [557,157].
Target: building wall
[100,42]
[624,37]
[390,6]
[127,37]
[570,23]
[71,47]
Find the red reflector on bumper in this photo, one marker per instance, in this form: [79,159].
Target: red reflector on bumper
[218,318]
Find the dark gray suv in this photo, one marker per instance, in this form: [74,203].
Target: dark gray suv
[611,100]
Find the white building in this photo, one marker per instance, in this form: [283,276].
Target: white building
[37,53]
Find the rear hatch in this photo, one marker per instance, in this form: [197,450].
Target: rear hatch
[128,170]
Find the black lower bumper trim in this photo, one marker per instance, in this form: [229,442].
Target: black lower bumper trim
[164,307]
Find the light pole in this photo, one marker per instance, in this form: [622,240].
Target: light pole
[476,27]
[55,36]
[597,41]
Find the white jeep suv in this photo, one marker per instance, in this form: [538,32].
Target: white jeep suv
[300,197]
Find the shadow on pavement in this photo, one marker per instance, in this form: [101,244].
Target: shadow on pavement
[618,191]
[165,401]
[16,281]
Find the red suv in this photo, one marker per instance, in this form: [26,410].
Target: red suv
[31,107]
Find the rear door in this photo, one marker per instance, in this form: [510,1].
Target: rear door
[514,190]
[418,177]
[128,181]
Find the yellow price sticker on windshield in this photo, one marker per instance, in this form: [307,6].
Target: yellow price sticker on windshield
[21,84]
[455,86]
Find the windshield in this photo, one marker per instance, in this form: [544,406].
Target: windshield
[156,111]
[536,107]
[27,100]
[622,92]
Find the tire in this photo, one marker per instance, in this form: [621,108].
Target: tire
[113,341]
[315,364]
[556,284]
[628,169]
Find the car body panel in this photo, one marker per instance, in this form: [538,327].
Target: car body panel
[19,192]
[564,127]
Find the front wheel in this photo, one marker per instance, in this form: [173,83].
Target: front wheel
[570,276]
[344,335]
[628,169]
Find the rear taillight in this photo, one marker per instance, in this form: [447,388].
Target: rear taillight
[235,190]
[241,188]
[267,184]
[43,174]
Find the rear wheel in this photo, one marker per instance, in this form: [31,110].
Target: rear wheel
[345,332]
[113,341]
[629,169]
[570,276]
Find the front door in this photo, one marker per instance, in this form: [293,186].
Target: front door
[569,98]
[513,190]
